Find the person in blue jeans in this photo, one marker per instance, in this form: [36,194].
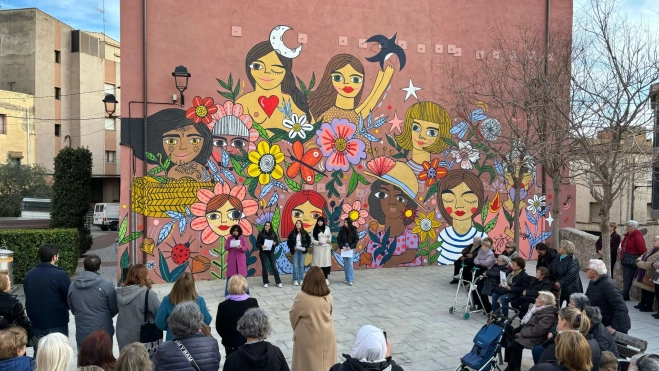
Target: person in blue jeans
[347,240]
[298,242]
[516,282]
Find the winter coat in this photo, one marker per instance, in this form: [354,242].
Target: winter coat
[536,286]
[644,266]
[614,243]
[352,364]
[566,272]
[22,363]
[603,337]
[485,258]
[258,356]
[130,300]
[46,287]
[547,260]
[166,308]
[548,367]
[260,241]
[492,278]
[342,239]
[203,349]
[535,331]
[520,282]
[292,239]
[604,294]
[549,354]
[633,243]
[226,321]
[314,339]
[471,249]
[12,312]
[236,260]
[510,256]
[93,302]
[322,253]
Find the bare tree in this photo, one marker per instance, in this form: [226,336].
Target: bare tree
[614,62]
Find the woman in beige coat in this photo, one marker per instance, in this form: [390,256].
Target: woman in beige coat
[314,339]
[321,240]
[643,278]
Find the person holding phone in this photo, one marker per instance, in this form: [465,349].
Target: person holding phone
[347,240]
[372,351]
[266,242]
[236,245]
[321,240]
[298,242]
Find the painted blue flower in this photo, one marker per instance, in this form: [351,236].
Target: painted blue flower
[265,217]
[150,264]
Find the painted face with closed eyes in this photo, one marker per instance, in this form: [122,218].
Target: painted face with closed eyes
[460,202]
[393,201]
[424,134]
[267,71]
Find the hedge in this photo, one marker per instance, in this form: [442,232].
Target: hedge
[26,242]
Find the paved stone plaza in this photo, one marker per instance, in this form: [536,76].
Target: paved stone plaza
[410,304]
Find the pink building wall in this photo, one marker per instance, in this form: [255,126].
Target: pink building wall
[213,38]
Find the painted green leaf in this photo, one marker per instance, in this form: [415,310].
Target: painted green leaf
[279,136]
[261,131]
[276,219]
[362,180]
[252,188]
[484,211]
[155,170]
[490,170]
[423,245]
[331,190]
[259,227]
[436,245]
[225,94]
[491,224]
[222,83]
[318,177]
[177,272]
[303,87]
[123,227]
[160,179]
[478,227]
[130,237]
[216,276]
[482,147]
[238,167]
[167,163]
[293,185]
[509,217]
[432,190]
[391,141]
[434,257]
[236,90]
[125,259]
[478,167]
[421,252]
[251,272]
[150,156]
[230,82]
[399,156]
[312,83]
[164,268]
[352,184]
[449,141]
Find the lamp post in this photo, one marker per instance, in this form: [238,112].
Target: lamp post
[110,104]
[181,76]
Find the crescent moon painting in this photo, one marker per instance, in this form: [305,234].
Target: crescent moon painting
[277,42]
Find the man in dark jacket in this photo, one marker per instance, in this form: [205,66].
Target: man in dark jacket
[604,294]
[93,301]
[45,287]
[546,256]
[12,311]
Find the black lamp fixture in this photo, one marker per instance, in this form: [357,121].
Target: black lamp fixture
[110,104]
[181,76]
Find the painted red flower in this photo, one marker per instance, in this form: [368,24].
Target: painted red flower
[432,172]
[202,110]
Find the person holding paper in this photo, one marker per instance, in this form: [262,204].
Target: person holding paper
[266,242]
[347,240]
[298,242]
[235,245]
[321,240]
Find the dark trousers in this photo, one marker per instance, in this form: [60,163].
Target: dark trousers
[326,271]
[656,291]
[513,354]
[456,266]
[229,351]
[38,333]
[270,255]
[522,304]
[627,280]
[647,299]
[614,258]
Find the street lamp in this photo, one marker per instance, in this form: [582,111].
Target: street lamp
[110,104]
[181,76]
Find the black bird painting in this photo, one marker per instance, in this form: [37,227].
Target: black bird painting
[389,47]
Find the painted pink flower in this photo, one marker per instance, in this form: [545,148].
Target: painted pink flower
[211,221]
[465,155]
[380,165]
[228,113]
[355,213]
[338,145]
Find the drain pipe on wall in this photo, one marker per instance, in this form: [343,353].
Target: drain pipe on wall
[145,115]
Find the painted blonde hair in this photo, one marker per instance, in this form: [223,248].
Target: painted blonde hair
[426,111]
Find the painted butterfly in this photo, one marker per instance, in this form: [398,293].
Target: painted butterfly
[311,158]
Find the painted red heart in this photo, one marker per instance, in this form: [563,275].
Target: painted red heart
[268,104]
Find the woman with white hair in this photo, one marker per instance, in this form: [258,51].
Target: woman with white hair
[256,354]
[371,352]
[631,248]
[643,279]
[579,301]
[55,353]
[565,271]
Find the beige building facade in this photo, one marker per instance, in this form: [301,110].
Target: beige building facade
[17,139]
[68,72]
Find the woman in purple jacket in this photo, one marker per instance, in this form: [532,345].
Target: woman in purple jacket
[236,260]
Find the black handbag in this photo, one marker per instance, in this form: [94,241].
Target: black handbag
[629,260]
[150,335]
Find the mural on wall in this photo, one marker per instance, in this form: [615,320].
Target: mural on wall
[418,188]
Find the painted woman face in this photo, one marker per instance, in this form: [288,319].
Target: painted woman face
[347,81]
[183,144]
[231,143]
[424,134]
[393,201]
[307,214]
[460,202]
[221,220]
[267,71]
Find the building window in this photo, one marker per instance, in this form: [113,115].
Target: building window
[649,217]
[110,156]
[594,211]
[58,130]
[58,57]
[110,89]
[109,123]
[58,93]
[3,125]
[15,161]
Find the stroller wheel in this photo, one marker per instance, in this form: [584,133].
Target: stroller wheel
[450,310]
[466,316]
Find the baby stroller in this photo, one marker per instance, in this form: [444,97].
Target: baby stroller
[469,287]
[488,342]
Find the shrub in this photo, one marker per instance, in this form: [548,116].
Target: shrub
[72,192]
[26,243]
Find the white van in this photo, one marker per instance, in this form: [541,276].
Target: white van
[106,216]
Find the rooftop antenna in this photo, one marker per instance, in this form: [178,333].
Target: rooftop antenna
[102,12]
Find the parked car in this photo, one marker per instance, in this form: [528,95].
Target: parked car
[106,216]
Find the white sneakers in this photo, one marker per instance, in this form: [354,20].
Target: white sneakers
[350,283]
[280,285]
[265,285]
[327,282]
[295,283]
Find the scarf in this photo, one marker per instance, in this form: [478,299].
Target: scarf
[513,274]
[370,345]
[534,309]
[242,297]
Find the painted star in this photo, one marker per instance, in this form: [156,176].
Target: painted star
[549,219]
[410,90]
[395,123]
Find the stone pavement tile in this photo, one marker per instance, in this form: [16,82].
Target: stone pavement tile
[427,365]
